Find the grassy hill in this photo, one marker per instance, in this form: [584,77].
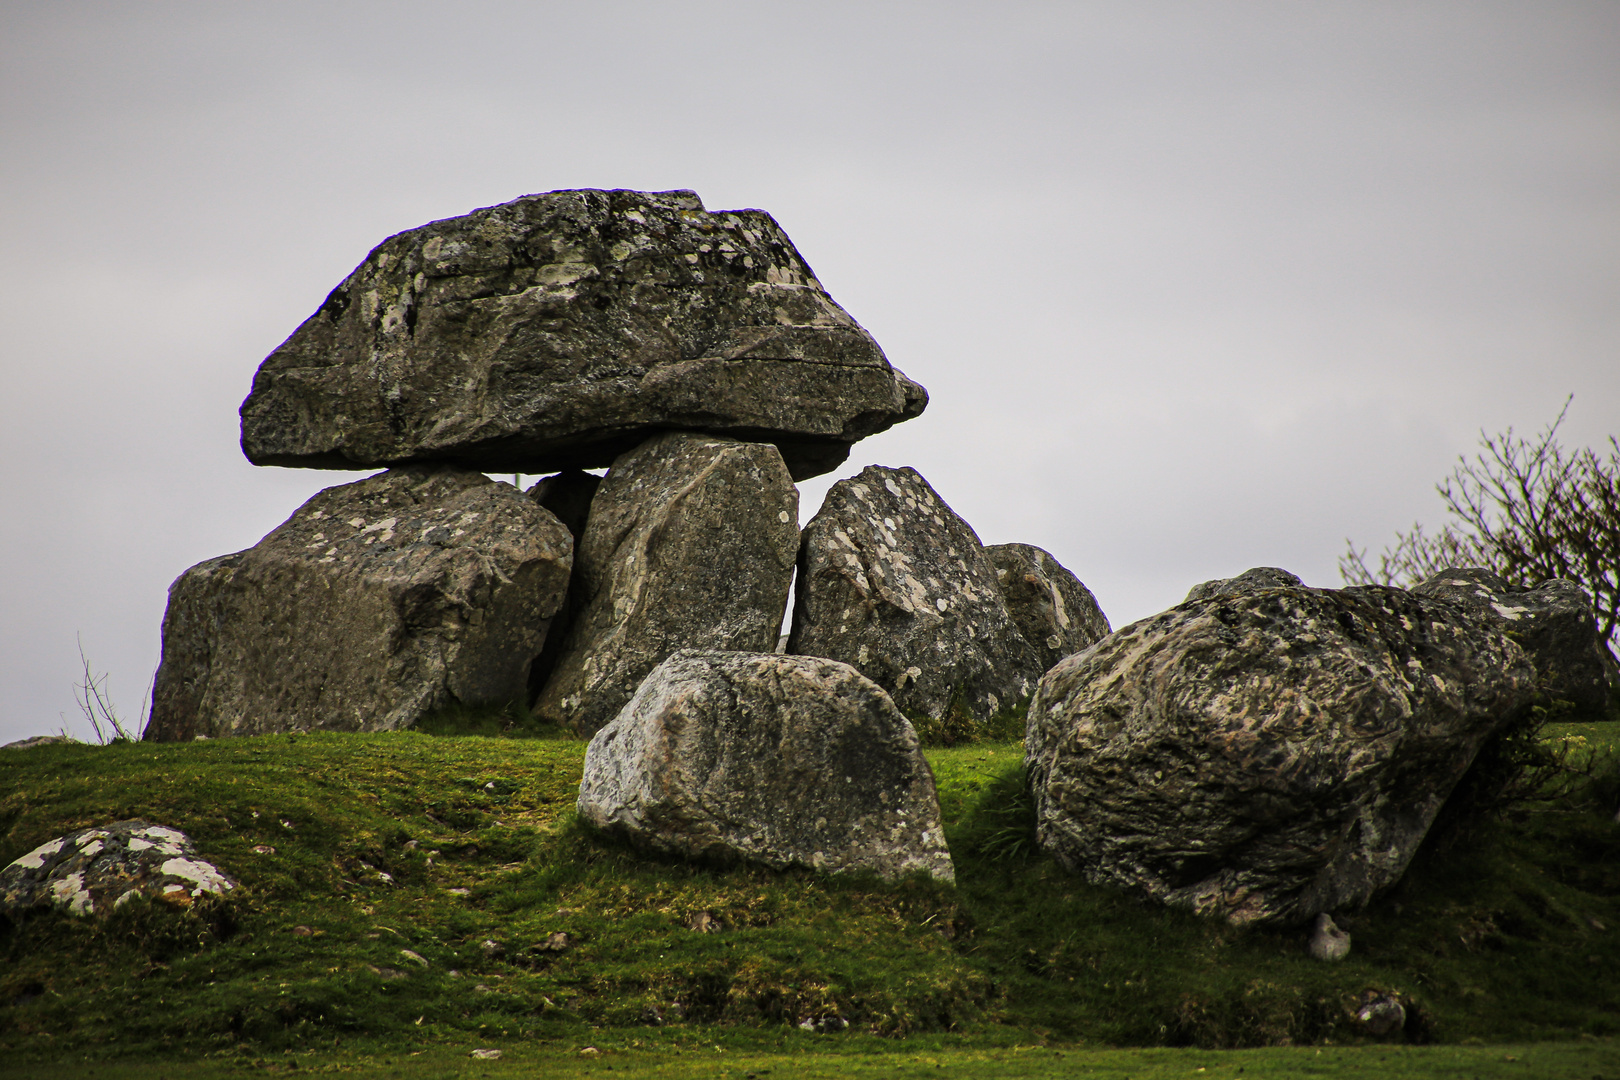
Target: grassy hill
[410,892]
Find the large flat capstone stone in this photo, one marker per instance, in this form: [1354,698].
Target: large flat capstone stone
[690,543]
[559,330]
[374,604]
[780,760]
[895,584]
[1266,755]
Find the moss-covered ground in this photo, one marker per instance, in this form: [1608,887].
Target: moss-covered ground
[408,897]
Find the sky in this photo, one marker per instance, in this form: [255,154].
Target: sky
[1194,287]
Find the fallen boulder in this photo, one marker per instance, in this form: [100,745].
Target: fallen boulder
[780,760]
[1266,756]
[93,871]
[894,584]
[1053,609]
[690,542]
[560,330]
[374,604]
[1553,622]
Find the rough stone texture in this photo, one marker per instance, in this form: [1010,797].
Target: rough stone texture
[1553,622]
[1328,942]
[92,871]
[559,330]
[374,604]
[781,760]
[1054,610]
[894,584]
[690,544]
[1251,580]
[1266,756]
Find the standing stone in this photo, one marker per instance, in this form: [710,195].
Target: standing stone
[781,760]
[894,584]
[1266,756]
[1553,622]
[374,604]
[1054,610]
[690,544]
[561,330]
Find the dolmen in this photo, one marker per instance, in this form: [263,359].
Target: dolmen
[693,353]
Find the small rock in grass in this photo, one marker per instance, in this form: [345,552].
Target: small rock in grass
[590,1051]
[302,931]
[492,949]
[705,923]
[486,1055]
[263,849]
[1381,1014]
[1328,942]
[413,957]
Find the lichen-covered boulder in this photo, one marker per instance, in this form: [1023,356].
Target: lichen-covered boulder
[1054,610]
[93,871]
[1553,622]
[780,760]
[374,604]
[1251,580]
[1266,756]
[690,543]
[894,584]
[561,330]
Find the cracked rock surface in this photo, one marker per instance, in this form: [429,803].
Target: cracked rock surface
[92,871]
[1267,755]
[374,604]
[780,760]
[894,584]
[690,543]
[560,330]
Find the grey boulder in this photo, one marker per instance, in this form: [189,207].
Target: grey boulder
[894,584]
[93,871]
[1053,609]
[690,543]
[1266,756]
[1554,623]
[780,760]
[560,330]
[374,604]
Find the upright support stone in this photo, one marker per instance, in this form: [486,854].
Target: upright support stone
[690,544]
[374,604]
[894,584]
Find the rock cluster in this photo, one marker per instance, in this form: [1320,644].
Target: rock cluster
[93,871]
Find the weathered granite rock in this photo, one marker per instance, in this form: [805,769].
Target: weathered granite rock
[1270,755]
[1553,622]
[374,604]
[781,760]
[1251,580]
[894,584]
[561,330]
[92,871]
[690,543]
[1328,942]
[1054,610]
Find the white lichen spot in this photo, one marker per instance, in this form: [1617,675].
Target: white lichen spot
[207,877]
[942,604]
[36,858]
[783,517]
[892,486]
[71,892]
[357,522]
[1510,613]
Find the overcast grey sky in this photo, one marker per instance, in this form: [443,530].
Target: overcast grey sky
[1194,287]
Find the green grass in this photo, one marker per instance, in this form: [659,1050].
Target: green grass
[1508,933]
